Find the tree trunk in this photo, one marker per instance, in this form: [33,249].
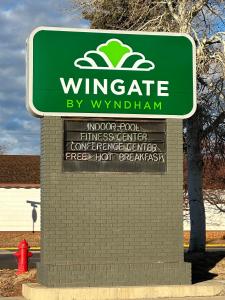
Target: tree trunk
[195,164]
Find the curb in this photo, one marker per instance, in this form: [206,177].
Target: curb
[35,291]
[209,245]
[16,248]
[39,248]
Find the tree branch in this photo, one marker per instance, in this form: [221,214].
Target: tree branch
[198,6]
[172,12]
[214,124]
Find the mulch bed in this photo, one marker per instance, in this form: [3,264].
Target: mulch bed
[11,284]
[206,266]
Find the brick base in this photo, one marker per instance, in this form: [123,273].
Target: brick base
[114,275]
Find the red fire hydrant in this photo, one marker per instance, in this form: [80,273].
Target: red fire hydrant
[22,256]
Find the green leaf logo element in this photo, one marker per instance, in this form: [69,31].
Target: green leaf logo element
[114,50]
[114,55]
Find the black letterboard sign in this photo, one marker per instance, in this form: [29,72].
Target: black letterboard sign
[115,146]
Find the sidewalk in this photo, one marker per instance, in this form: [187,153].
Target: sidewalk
[185,298]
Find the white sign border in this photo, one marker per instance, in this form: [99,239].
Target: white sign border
[29,76]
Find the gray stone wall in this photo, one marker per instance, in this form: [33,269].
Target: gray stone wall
[110,229]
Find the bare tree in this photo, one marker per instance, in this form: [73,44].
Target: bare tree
[216,199]
[213,187]
[201,19]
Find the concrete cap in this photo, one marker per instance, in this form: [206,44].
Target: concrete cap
[34,291]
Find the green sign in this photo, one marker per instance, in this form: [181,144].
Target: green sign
[93,73]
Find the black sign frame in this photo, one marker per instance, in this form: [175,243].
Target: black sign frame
[149,135]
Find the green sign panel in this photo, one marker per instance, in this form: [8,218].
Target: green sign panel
[91,73]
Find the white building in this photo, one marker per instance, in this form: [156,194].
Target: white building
[19,193]
[20,196]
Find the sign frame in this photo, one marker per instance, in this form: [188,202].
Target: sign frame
[29,77]
[115,165]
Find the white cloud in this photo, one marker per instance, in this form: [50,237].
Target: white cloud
[19,130]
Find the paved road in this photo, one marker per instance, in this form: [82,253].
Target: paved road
[9,261]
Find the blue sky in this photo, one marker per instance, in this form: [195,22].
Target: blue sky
[20,132]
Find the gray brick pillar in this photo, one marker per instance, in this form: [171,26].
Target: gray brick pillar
[110,229]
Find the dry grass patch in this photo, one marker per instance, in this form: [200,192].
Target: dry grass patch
[11,239]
